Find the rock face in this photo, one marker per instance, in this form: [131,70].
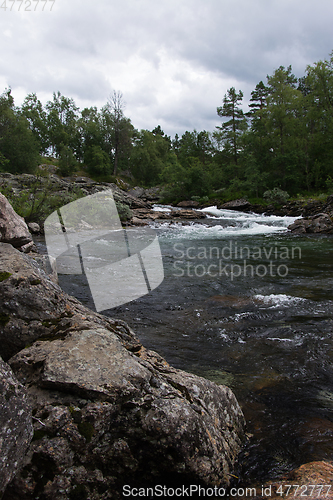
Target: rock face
[15,425]
[149,195]
[106,410]
[13,228]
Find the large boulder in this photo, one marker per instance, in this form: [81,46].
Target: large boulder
[15,425]
[13,228]
[106,410]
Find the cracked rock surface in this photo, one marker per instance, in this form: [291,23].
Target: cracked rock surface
[106,411]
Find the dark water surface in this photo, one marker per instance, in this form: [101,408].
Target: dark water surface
[266,331]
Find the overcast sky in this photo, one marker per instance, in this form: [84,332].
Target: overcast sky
[172,60]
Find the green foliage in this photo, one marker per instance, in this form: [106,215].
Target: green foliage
[19,151]
[329,184]
[61,120]
[276,196]
[32,110]
[124,211]
[97,161]
[4,275]
[150,154]
[285,140]
[232,129]
[67,162]
[39,198]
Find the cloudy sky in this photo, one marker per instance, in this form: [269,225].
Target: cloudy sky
[172,60]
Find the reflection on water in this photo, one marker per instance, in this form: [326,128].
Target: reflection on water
[267,335]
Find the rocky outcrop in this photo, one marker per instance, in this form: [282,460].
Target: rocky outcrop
[13,228]
[63,186]
[15,425]
[144,216]
[320,223]
[152,195]
[105,409]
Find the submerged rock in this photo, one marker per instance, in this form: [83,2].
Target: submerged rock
[106,410]
[15,425]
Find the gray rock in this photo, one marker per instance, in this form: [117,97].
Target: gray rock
[149,195]
[187,214]
[13,228]
[188,204]
[15,425]
[236,204]
[105,408]
[32,306]
[34,227]
[137,413]
[319,223]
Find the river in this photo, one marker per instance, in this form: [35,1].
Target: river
[246,304]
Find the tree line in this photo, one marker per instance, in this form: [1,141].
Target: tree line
[283,140]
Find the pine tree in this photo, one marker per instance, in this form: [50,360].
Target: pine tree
[232,129]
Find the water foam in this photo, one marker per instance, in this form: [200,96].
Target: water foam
[277,300]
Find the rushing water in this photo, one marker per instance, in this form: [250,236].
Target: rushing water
[246,304]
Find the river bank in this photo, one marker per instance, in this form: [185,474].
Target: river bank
[85,407]
[135,205]
[269,339]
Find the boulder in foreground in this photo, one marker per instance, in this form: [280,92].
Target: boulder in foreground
[106,410]
[15,425]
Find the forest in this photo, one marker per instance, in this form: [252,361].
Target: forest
[283,141]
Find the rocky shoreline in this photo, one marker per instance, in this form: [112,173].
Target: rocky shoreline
[135,205]
[85,408]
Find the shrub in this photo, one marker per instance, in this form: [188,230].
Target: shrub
[276,196]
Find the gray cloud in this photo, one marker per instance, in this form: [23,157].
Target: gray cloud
[172,60]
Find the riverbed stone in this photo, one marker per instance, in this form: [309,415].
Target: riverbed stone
[13,228]
[105,408]
[312,480]
[15,425]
